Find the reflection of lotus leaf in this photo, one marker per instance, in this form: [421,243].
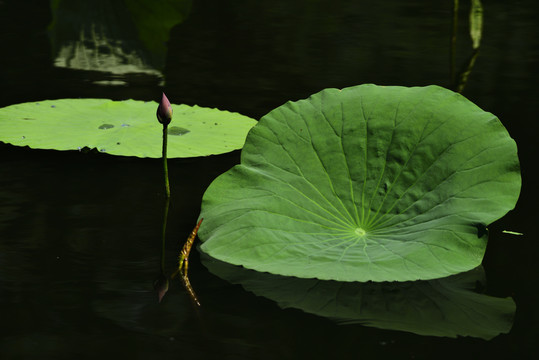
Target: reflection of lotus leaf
[127,128]
[117,37]
[446,307]
[368,183]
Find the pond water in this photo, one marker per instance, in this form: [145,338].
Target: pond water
[80,233]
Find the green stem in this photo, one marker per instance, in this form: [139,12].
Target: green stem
[453,51]
[165,166]
[163,234]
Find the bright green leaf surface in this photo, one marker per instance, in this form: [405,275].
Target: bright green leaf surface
[368,183]
[127,128]
[448,307]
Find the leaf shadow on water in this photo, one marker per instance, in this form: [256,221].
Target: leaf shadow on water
[447,307]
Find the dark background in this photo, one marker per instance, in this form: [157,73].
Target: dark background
[80,233]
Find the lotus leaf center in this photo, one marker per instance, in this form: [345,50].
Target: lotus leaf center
[359,231]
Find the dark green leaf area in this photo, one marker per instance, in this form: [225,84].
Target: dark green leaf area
[365,183]
[449,307]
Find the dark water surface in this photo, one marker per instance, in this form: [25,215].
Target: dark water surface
[80,234]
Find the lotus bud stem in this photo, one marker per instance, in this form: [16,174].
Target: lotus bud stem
[164,116]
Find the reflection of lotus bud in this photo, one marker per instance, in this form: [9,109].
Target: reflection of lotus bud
[161,286]
[164,111]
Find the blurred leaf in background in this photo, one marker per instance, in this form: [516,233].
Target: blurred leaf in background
[117,37]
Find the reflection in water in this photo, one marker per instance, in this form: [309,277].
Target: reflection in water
[114,37]
[476,31]
[187,285]
[183,264]
[161,286]
[93,51]
[447,307]
[162,283]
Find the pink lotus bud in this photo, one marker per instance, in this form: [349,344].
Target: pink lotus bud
[164,111]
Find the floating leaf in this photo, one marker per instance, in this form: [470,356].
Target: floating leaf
[368,183]
[448,307]
[125,128]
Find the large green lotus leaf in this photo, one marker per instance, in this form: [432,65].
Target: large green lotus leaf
[448,307]
[365,183]
[127,128]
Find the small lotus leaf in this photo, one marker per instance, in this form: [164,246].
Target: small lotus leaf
[127,128]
